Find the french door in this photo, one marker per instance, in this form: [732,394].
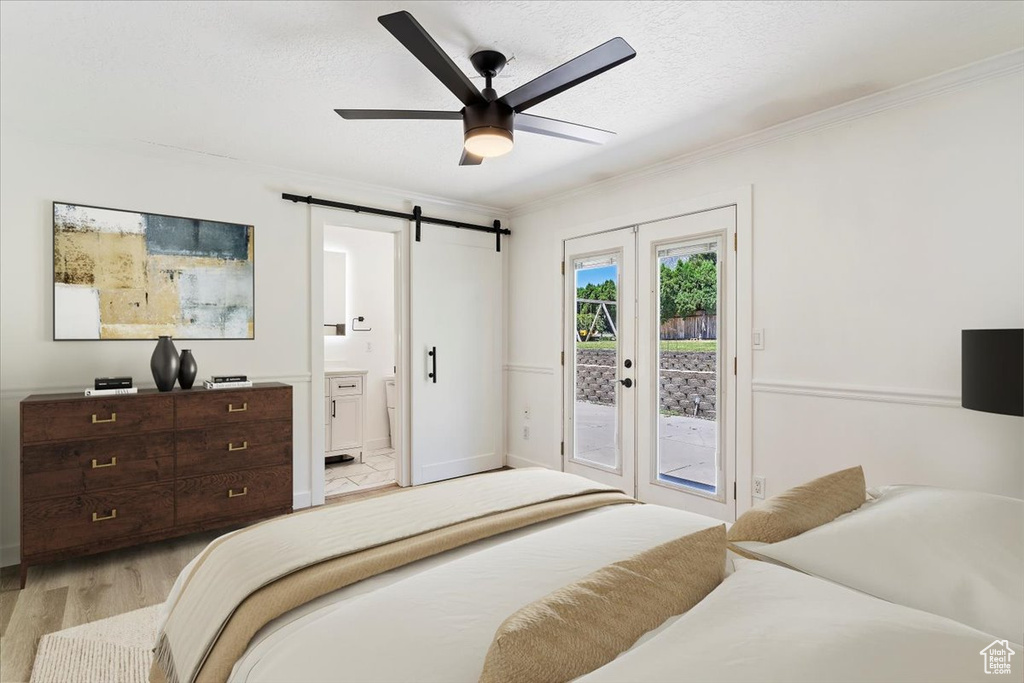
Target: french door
[649,370]
[599,406]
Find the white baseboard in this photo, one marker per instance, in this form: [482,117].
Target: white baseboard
[520,462]
[302,499]
[10,555]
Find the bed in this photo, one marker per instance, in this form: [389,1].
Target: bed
[433,617]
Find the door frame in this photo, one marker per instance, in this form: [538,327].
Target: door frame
[742,198]
[318,218]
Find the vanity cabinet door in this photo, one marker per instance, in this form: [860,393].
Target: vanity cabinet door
[346,422]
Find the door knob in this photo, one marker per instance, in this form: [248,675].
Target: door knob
[626,382]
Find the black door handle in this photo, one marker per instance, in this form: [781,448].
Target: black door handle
[433,364]
[626,382]
[333,406]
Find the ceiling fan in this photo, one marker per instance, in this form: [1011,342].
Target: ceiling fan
[488,120]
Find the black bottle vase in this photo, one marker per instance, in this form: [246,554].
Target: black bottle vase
[164,364]
[187,369]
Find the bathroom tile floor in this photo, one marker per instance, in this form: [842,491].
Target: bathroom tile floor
[377,469]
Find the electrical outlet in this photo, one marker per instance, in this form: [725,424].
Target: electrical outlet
[526,432]
[369,347]
[759,487]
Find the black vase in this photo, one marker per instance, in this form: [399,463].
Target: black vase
[164,364]
[187,369]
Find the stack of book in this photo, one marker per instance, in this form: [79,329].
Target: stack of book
[111,386]
[227,382]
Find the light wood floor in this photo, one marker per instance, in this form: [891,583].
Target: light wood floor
[66,594]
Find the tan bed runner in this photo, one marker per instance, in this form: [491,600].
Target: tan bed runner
[244,580]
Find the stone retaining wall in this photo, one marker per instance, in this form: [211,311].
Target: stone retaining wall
[687,380]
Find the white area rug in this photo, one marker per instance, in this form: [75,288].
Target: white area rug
[114,650]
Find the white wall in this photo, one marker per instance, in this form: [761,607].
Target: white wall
[370,292]
[34,173]
[876,240]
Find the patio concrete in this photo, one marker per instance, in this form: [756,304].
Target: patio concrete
[686,445]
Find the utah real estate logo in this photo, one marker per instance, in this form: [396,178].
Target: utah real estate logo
[997,657]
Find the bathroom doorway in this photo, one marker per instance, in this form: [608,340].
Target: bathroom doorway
[360,359]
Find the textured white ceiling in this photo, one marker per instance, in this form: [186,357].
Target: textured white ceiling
[259,81]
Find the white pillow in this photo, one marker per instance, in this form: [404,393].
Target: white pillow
[959,554]
[767,623]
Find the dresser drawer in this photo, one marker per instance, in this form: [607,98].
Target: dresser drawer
[66,420]
[234,447]
[346,386]
[59,523]
[218,496]
[62,469]
[226,406]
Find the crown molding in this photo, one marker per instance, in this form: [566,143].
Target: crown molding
[900,96]
[352,189]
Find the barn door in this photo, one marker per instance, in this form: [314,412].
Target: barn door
[456,324]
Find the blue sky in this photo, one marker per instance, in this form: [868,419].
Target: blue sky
[596,275]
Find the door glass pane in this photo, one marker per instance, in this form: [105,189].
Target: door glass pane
[596,415]
[688,365]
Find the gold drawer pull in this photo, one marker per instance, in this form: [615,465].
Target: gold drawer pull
[96,516]
[233,409]
[96,465]
[233,447]
[233,494]
[96,421]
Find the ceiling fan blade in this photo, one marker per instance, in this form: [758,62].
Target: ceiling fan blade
[575,71]
[354,114]
[416,40]
[554,128]
[470,159]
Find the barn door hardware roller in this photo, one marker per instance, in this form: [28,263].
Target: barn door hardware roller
[416,216]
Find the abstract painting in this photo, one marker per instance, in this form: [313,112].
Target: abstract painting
[130,275]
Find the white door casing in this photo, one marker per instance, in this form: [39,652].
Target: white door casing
[320,434]
[457,313]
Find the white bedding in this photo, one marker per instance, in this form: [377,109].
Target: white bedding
[958,554]
[768,624]
[434,620]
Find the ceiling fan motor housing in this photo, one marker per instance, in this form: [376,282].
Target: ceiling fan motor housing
[495,116]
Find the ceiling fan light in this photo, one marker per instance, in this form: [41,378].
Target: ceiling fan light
[488,141]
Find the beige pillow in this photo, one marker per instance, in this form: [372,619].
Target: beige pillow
[588,623]
[802,508]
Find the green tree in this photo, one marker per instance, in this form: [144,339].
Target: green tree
[689,286]
[670,285]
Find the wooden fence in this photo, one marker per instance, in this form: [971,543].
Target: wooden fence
[693,327]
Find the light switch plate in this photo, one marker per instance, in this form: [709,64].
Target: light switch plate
[758,339]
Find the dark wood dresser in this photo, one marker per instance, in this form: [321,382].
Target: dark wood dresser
[108,472]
